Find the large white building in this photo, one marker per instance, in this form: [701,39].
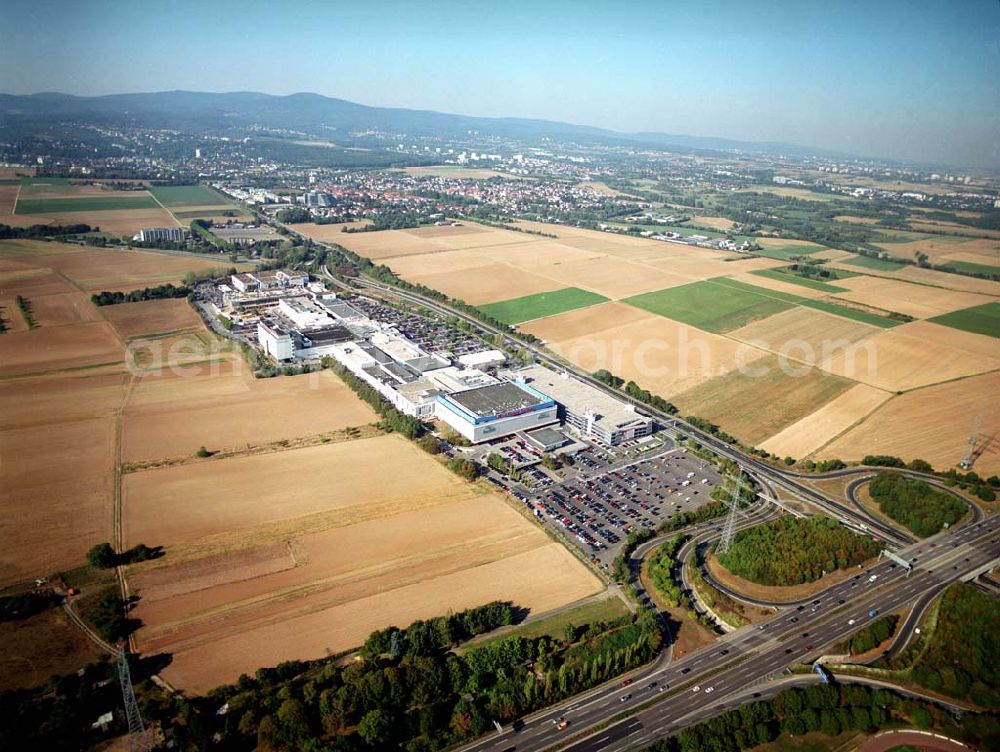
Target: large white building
[270,280]
[496,410]
[276,342]
[159,234]
[589,410]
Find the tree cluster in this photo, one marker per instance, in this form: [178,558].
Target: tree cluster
[915,503]
[103,556]
[661,570]
[872,635]
[294,215]
[407,690]
[42,231]
[963,657]
[793,550]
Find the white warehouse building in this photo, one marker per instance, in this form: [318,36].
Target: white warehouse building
[496,410]
[276,343]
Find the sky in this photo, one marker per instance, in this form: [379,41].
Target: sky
[909,80]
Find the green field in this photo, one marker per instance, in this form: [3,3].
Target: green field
[44,181]
[879,265]
[786,252]
[188,195]
[87,204]
[708,306]
[543,304]
[981,319]
[607,610]
[795,279]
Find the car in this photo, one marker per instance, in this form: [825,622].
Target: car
[787,651]
[724,652]
[663,688]
[626,682]
[809,648]
[651,685]
[841,602]
[557,720]
[709,690]
[696,688]
[794,619]
[850,623]
[762,626]
[686,670]
[562,725]
[624,698]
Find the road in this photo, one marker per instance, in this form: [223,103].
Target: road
[751,655]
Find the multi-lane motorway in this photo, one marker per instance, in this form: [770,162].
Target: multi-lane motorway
[749,655]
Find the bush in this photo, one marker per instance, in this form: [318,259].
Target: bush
[464,468]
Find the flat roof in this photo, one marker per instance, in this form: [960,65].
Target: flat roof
[579,397]
[548,436]
[497,399]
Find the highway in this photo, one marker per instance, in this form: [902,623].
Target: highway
[751,655]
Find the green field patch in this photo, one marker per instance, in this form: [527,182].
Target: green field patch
[796,279]
[605,611]
[543,304]
[785,252]
[851,313]
[10,181]
[44,181]
[879,265]
[86,204]
[208,211]
[980,319]
[707,306]
[188,195]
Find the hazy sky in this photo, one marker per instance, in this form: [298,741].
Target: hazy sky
[917,80]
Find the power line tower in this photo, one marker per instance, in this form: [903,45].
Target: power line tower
[138,741]
[970,456]
[735,486]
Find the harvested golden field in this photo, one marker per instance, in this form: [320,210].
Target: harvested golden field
[953,227]
[454,171]
[488,283]
[119,221]
[327,549]
[915,355]
[718,223]
[599,187]
[659,354]
[57,495]
[8,193]
[390,243]
[919,301]
[94,270]
[804,334]
[940,248]
[152,317]
[41,646]
[9,172]
[223,408]
[856,220]
[948,281]
[779,285]
[68,190]
[816,429]
[612,277]
[57,348]
[931,424]
[62,309]
[758,401]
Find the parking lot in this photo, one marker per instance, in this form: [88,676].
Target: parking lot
[606,494]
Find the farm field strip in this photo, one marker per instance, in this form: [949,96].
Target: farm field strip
[981,319]
[83,204]
[540,305]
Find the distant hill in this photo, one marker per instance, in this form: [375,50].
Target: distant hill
[319,115]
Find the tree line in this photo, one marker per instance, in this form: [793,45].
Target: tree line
[43,231]
[160,292]
[793,550]
[392,419]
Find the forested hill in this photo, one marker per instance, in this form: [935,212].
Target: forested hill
[314,113]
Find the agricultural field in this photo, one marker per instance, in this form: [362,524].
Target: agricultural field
[152,317]
[917,301]
[783,248]
[454,172]
[808,434]
[943,249]
[804,334]
[794,279]
[220,405]
[659,354]
[756,402]
[84,204]
[240,578]
[932,423]
[187,195]
[712,305]
[980,319]
[915,355]
[63,386]
[542,304]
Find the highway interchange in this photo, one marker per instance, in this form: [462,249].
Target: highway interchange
[667,696]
